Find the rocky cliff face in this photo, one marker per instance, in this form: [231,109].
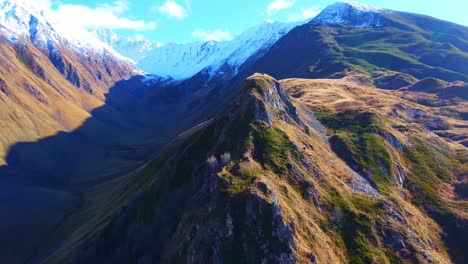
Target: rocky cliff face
[264,182]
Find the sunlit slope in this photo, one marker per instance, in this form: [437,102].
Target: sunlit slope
[36,106]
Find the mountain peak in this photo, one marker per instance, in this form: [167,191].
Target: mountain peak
[106,35]
[350,13]
[265,98]
[357,6]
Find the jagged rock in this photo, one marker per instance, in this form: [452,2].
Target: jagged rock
[360,184]
[272,100]
[262,114]
[314,123]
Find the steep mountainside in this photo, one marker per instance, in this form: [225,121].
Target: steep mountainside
[49,81]
[343,173]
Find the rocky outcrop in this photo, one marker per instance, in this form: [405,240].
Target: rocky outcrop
[270,100]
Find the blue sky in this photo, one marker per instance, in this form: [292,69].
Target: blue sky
[190,20]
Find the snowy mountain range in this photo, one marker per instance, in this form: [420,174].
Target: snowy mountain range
[136,50]
[180,61]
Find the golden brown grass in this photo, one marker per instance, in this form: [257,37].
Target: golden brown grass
[33,107]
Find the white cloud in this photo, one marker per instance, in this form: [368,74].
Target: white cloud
[278,5]
[305,13]
[270,21]
[207,35]
[103,15]
[172,10]
[309,12]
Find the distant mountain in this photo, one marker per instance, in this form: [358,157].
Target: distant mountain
[135,50]
[182,61]
[386,45]
[51,77]
[351,13]
[22,19]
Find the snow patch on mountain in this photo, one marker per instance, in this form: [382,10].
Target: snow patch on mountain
[361,6]
[351,13]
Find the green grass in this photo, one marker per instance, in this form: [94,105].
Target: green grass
[355,140]
[349,121]
[402,51]
[355,222]
[188,158]
[430,169]
[273,149]
[368,153]
[238,176]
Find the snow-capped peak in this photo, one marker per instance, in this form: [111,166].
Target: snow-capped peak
[135,50]
[106,35]
[351,13]
[24,19]
[360,6]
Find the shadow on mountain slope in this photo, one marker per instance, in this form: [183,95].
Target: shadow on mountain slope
[44,180]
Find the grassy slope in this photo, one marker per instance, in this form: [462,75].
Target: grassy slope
[293,164]
[417,46]
[360,136]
